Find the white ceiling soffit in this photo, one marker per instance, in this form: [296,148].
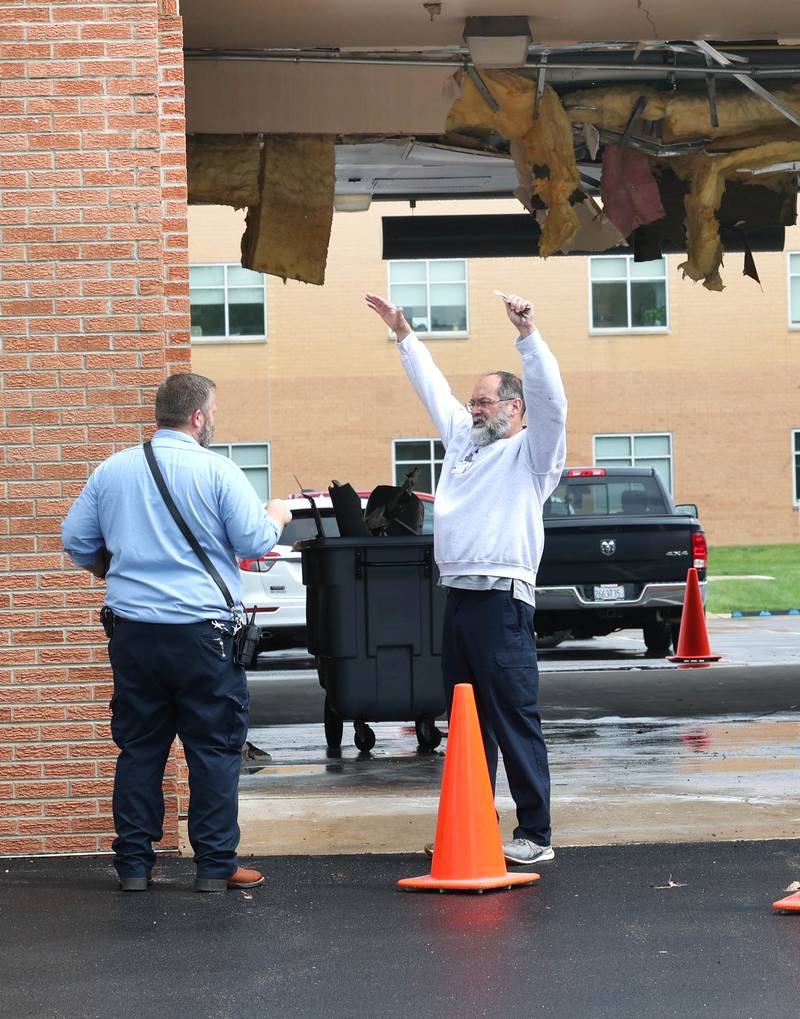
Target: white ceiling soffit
[397,24]
[367,67]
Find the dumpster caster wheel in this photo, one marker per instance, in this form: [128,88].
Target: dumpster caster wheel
[364,737]
[428,736]
[334,726]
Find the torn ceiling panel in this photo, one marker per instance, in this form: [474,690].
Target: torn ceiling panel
[223,170]
[633,112]
[651,127]
[286,182]
[575,122]
[707,176]
[287,234]
[541,136]
[683,115]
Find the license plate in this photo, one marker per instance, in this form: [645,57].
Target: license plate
[609,592]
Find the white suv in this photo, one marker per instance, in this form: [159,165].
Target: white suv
[273,584]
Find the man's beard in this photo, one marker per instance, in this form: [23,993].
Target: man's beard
[491,430]
[207,434]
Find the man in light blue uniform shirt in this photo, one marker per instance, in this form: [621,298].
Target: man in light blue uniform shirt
[172,647]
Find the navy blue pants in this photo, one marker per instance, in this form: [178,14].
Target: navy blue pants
[168,680]
[489,642]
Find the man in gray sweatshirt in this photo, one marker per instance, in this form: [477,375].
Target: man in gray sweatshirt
[488,540]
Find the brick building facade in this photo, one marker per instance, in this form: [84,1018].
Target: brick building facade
[93,313]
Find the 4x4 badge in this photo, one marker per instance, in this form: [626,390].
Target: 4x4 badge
[608,546]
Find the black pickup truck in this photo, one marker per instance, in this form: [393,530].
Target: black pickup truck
[616,554]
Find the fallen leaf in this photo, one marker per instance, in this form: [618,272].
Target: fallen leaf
[670,884]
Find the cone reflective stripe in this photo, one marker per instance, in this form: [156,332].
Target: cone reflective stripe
[790,902]
[467,849]
[693,636]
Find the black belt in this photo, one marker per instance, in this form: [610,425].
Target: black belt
[142,622]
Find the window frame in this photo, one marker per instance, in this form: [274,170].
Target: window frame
[795,439]
[632,436]
[216,447]
[793,324]
[629,330]
[432,462]
[226,338]
[440,334]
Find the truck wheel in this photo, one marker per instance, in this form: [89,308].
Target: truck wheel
[676,629]
[364,737]
[657,637]
[428,736]
[334,726]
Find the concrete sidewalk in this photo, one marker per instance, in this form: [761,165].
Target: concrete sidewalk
[602,935]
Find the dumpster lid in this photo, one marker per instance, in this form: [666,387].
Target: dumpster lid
[347,510]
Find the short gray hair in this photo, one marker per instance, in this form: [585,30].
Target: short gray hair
[510,387]
[179,396]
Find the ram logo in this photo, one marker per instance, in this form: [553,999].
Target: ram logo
[608,546]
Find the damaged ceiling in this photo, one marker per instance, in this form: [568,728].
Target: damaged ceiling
[638,145]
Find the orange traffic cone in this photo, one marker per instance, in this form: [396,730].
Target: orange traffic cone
[790,902]
[693,636]
[467,849]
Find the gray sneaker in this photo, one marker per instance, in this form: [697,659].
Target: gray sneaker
[523,852]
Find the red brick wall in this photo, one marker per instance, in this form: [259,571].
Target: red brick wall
[93,313]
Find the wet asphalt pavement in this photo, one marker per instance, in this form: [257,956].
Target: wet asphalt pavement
[607,676]
[608,933]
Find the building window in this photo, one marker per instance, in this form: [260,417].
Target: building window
[227,302]
[794,289]
[253,458]
[432,294]
[627,296]
[643,450]
[426,454]
[796,464]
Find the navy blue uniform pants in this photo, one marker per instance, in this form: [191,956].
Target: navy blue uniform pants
[176,680]
[489,642]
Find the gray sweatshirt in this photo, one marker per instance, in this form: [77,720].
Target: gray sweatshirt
[488,509]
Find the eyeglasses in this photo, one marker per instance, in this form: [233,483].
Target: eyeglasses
[483,403]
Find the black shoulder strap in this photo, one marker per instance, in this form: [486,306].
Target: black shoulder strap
[158,477]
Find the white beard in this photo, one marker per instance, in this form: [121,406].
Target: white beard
[490,431]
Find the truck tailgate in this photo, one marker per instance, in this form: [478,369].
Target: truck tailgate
[615,550]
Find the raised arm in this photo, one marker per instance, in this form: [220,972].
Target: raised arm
[447,413]
[545,400]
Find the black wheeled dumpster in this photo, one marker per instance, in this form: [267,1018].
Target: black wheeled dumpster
[374,613]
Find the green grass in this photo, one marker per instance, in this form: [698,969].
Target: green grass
[779,561]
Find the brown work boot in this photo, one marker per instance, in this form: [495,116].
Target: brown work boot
[240,878]
[243,878]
